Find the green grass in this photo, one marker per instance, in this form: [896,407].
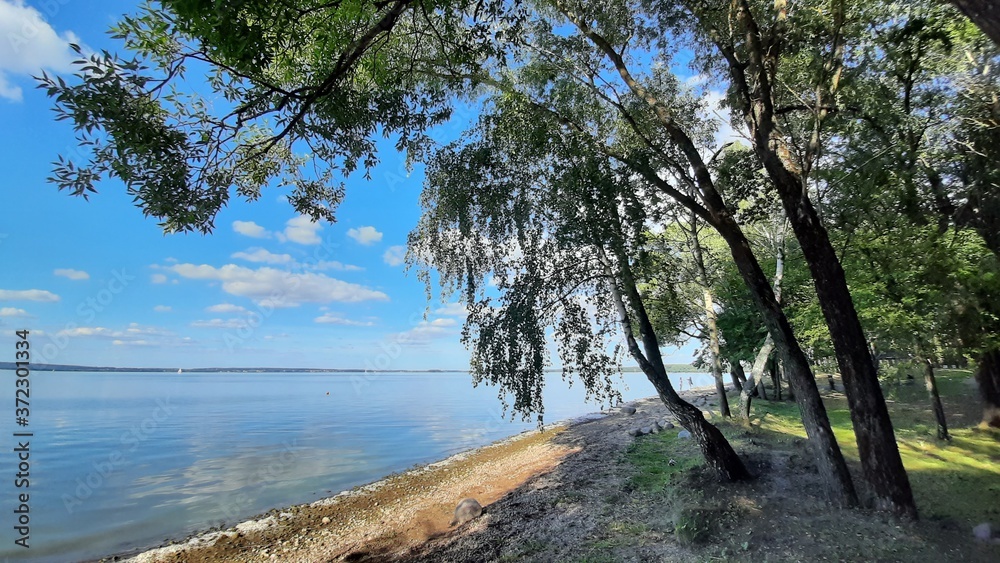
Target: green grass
[648,454]
[955,483]
[957,479]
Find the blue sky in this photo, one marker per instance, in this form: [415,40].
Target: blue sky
[99,284]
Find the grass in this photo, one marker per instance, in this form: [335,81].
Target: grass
[648,455]
[956,483]
[957,479]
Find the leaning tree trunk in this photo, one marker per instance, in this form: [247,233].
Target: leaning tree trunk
[718,453]
[932,390]
[754,80]
[988,377]
[737,374]
[829,459]
[880,459]
[756,380]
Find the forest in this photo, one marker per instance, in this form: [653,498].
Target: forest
[790,183]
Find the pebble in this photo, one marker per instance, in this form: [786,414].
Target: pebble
[647,429]
[983,532]
[634,432]
[667,425]
[683,434]
[326,520]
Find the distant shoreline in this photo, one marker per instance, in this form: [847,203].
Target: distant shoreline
[674,368]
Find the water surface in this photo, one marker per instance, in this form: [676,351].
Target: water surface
[121,461]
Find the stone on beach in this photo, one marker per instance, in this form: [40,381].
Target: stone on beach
[628,410]
[683,434]
[468,509]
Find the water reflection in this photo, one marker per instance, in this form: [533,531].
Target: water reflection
[122,461]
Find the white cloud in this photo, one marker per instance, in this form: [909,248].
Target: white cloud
[139,342]
[158,278]
[225,308]
[278,288]
[394,255]
[13,312]
[721,116]
[250,229]
[70,272]
[427,330]
[331,318]
[261,255]
[163,309]
[87,331]
[365,235]
[334,265]
[453,309]
[220,323]
[28,294]
[302,230]
[29,45]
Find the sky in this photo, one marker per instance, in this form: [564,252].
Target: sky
[96,283]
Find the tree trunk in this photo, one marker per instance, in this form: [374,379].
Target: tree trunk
[988,377]
[713,337]
[983,13]
[737,375]
[756,377]
[829,459]
[880,459]
[718,453]
[791,392]
[775,378]
[932,390]
[710,317]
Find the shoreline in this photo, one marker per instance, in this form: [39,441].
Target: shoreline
[396,513]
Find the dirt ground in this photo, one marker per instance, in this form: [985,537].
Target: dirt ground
[571,494]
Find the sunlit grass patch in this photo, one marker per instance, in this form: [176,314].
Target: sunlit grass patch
[652,456]
[957,479]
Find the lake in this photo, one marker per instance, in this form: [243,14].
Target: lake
[121,461]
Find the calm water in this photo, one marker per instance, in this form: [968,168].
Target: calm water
[121,461]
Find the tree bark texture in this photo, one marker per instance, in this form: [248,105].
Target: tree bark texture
[713,338]
[984,13]
[737,374]
[988,377]
[932,391]
[829,458]
[717,451]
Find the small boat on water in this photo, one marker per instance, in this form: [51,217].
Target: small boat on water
[180,371]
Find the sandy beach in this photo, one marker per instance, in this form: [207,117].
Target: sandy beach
[574,493]
[403,514]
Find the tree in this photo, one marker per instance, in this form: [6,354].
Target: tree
[751,43]
[306,75]
[984,14]
[433,51]
[683,290]
[561,230]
